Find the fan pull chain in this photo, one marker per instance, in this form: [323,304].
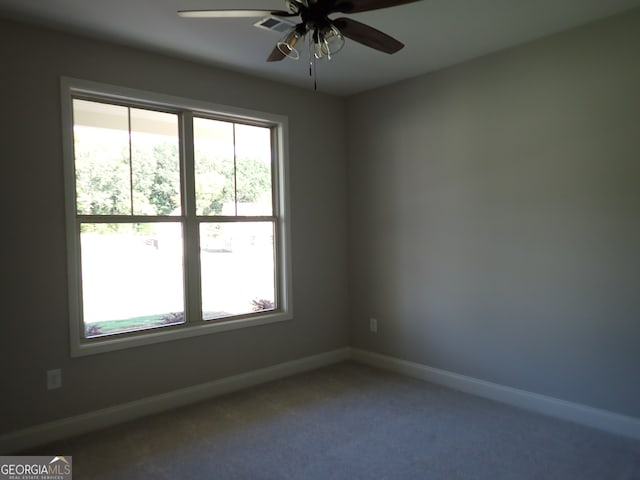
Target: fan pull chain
[312,65]
[315,75]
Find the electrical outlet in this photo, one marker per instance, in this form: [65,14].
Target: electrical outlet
[373,325]
[54,379]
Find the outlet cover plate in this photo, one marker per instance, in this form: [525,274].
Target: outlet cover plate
[54,379]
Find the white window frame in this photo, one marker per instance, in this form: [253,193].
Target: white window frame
[194,325]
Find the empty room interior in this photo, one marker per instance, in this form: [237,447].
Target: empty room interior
[414,260]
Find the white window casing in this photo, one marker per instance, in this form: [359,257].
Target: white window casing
[193,323]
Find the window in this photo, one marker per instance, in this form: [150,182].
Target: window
[176,217]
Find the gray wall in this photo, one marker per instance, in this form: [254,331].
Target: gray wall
[34,328]
[495,217]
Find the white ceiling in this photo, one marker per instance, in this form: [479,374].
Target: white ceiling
[437,33]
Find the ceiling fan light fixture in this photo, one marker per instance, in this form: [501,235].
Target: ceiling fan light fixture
[332,41]
[318,52]
[327,42]
[288,43]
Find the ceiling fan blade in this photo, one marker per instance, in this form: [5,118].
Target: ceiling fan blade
[367,35]
[356,6]
[276,55]
[233,13]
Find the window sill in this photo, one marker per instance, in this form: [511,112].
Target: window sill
[169,333]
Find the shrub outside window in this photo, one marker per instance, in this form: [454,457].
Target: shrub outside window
[176,217]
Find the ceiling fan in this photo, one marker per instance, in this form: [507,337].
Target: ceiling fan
[326,35]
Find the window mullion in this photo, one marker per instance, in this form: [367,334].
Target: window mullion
[235,172]
[130,160]
[191,227]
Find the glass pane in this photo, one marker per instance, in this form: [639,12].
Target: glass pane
[132,276]
[253,170]
[155,162]
[238,273]
[214,169]
[101,148]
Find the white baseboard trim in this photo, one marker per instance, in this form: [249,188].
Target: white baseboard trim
[582,414]
[67,427]
[79,424]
